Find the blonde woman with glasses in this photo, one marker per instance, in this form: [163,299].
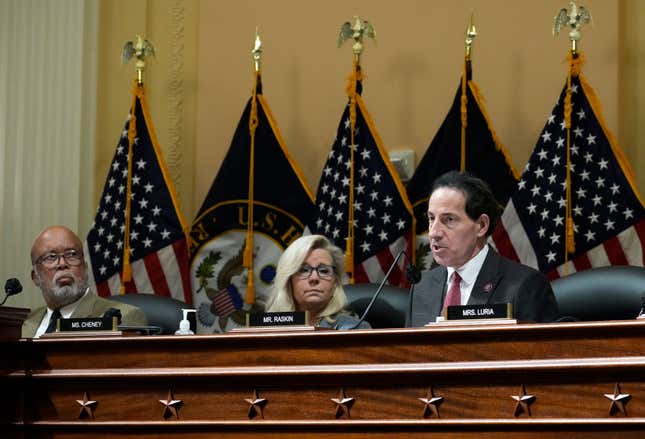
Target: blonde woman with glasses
[309,278]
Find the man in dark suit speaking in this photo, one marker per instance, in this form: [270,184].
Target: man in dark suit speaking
[462,213]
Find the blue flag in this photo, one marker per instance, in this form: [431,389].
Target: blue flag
[485,157]
[233,261]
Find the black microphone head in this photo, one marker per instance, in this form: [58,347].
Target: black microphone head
[413,274]
[113,312]
[12,286]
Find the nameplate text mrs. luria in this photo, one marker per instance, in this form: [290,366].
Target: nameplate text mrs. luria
[489,311]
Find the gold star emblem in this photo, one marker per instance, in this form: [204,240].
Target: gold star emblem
[524,401]
[431,404]
[256,405]
[343,404]
[171,406]
[87,407]
[618,401]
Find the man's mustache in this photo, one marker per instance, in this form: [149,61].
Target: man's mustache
[60,274]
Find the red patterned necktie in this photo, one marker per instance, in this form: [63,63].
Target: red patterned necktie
[453,297]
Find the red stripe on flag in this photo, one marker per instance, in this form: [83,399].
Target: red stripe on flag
[130,287]
[360,276]
[223,304]
[385,259]
[553,274]
[156,275]
[181,253]
[503,243]
[640,231]
[103,289]
[615,251]
[582,262]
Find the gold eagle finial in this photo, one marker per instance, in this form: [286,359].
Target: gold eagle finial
[471,33]
[140,50]
[257,50]
[575,17]
[356,30]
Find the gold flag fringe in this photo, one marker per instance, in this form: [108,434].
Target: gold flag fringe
[248,249]
[464,115]
[126,275]
[352,85]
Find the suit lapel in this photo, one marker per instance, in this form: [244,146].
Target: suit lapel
[30,325]
[438,283]
[85,306]
[487,280]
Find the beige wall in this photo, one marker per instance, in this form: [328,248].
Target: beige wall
[170,84]
[632,88]
[202,76]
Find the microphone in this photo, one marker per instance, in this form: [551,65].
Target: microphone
[382,284]
[413,274]
[113,312]
[11,287]
[641,314]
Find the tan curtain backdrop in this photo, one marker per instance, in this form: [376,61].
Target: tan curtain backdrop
[47,108]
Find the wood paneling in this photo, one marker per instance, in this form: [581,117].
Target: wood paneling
[567,371]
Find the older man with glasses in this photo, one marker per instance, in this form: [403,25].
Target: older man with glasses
[59,270]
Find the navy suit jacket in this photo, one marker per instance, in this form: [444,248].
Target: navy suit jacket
[500,280]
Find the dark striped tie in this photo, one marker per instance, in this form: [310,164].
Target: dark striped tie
[52,321]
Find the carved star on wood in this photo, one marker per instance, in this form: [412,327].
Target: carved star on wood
[171,406]
[618,401]
[431,404]
[343,404]
[87,407]
[524,401]
[256,405]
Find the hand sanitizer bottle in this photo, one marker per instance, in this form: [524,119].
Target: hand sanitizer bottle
[184,324]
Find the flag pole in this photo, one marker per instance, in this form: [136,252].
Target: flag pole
[140,50]
[253,124]
[574,18]
[471,33]
[356,31]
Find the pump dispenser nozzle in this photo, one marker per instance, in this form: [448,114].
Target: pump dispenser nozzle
[184,324]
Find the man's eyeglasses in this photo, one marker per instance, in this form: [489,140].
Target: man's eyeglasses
[50,260]
[324,271]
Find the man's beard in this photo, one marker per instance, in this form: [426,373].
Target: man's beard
[61,296]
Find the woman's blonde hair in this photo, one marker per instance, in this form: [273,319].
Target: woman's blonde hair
[281,294]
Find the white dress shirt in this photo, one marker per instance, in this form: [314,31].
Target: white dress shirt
[468,272]
[65,311]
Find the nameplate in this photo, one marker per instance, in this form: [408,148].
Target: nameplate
[87,324]
[468,312]
[294,318]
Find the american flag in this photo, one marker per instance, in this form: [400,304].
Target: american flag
[227,301]
[383,217]
[158,245]
[608,215]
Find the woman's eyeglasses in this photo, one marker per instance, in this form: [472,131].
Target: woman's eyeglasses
[324,271]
